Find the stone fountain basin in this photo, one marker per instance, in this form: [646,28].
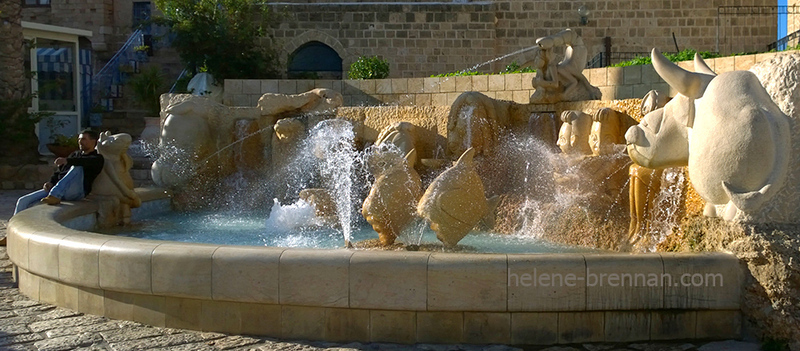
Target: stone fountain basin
[367,296]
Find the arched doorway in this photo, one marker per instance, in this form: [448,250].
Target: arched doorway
[315,60]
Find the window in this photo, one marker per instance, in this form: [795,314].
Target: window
[55,62]
[141,12]
[315,60]
[35,3]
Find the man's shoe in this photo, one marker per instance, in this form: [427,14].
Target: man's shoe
[51,200]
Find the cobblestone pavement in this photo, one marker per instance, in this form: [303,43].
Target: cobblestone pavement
[29,325]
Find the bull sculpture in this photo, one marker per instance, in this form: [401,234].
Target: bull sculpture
[726,129]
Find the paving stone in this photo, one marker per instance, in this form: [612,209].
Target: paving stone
[595,347]
[560,348]
[156,342]
[730,345]
[210,336]
[128,334]
[26,303]
[433,347]
[58,313]
[73,330]
[131,324]
[360,346]
[288,346]
[20,347]
[65,322]
[661,347]
[19,339]
[191,347]
[232,342]
[13,329]
[24,320]
[93,348]
[34,310]
[68,342]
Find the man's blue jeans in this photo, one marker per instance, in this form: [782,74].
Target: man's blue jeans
[69,188]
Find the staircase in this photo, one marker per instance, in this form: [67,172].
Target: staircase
[109,91]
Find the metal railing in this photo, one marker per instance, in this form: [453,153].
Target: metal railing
[107,83]
[604,60]
[781,43]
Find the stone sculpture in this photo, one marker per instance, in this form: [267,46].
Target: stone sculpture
[113,187]
[563,80]
[324,206]
[740,143]
[454,202]
[608,131]
[645,183]
[202,84]
[402,135]
[653,100]
[289,133]
[391,203]
[185,139]
[779,76]
[573,138]
[313,101]
[475,121]
[194,128]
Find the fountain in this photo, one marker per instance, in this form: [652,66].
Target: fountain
[482,171]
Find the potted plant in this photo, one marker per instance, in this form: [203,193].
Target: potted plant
[63,145]
[147,88]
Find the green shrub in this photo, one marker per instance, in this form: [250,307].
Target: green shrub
[66,140]
[147,89]
[684,55]
[369,68]
[513,67]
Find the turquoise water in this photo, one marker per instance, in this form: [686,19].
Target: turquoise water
[251,230]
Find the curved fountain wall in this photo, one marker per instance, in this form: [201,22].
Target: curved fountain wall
[347,295]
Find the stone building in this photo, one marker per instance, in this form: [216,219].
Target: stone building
[420,37]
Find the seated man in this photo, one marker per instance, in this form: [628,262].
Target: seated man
[74,177]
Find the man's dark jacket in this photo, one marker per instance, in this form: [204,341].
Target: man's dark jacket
[91,162]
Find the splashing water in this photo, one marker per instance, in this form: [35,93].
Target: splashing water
[465,115]
[289,217]
[332,142]
[667,206]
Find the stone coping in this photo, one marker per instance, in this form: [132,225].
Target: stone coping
[302,283]
[615,83]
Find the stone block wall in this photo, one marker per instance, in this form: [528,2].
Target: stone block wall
[614,82]
[423,38]
[30,177]
[94,15]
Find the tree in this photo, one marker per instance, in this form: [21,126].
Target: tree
[12,74]
[17,138]
[227,38]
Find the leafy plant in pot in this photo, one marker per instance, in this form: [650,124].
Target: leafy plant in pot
[63,145]
[147,88]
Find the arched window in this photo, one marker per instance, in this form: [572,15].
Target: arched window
[315,60]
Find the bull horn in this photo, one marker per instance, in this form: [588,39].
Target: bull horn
[700,65]
[691,85]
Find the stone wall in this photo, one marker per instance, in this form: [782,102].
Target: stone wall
[421,38]
[614,82]
[424,38]
[93,15]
